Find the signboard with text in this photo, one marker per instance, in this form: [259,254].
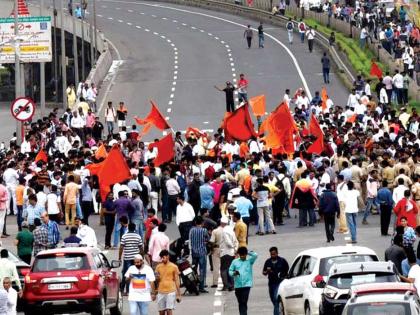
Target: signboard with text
[34,39]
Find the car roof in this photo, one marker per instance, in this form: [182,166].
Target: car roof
[382,288]
[332,251]
[357,267]
[70,250]
[378,298]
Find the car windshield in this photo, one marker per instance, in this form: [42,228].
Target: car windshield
[61,262]
[381,308]
[345,281]
[326,263]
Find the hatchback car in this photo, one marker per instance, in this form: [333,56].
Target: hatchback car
[383,299]
[301,292]
[72,280]
[342,277]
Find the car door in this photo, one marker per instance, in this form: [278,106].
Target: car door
[303,282]
[104,277]
[289,289]
[112,280]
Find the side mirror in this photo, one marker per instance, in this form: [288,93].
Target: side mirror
[24,271]
[115,264]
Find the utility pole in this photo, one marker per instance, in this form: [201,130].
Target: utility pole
[17,73]
[75,56]
[55,53]
[63,57]
[83,40]
[92,55]
[42,73]
[96,31]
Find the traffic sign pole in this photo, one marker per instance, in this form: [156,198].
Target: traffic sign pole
[17,74]
[63,57]
[42,73]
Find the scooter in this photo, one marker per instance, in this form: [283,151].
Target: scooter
[189,277]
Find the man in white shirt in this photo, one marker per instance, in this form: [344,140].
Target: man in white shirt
[414,273]
[11,296]
[353,99]
[398,81]
[228,246]
[398,192]
[286,97]
[184,218]
[142,286]
[10,177]
[86,234]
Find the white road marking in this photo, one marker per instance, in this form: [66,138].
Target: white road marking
[155,33]
[175,21]
[171,96]
[142,13]
[174,83]
[164,18]
[138,26]
[222,41]
[168,40]
[210,34]
[170,103]
[117,8]
[184,24]
[202,31]
[120,21]
[176,57]
[233,70]
[215,37]
[110,18]
[205,122]
[129,23]
[169,109]
[99,15]
[167,118]
[175,77]
[175,72]
[147,30]
[153,15]
[129,10]
[193,27]
[173,89]
[162,36]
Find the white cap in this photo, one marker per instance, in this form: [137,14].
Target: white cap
[224,220]
[138,256]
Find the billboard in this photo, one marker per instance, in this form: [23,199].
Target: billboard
[34,39]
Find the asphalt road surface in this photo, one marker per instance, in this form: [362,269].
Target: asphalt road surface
[290,241]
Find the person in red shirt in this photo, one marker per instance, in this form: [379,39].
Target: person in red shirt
[150,223]
[242,88]
[407,208]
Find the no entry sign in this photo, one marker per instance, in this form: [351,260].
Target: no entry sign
[23,108]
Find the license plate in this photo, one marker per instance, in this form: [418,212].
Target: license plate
[59,286]
[187,271]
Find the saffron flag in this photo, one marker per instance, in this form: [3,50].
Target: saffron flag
[324,98]
[238,125]
[41,156]
[258,105]
[314,129]
[94,168]
[279,128]
[154,118]
[165,147]
[352,119]
[114,170]
[193,132]
[101,152]
[375,70]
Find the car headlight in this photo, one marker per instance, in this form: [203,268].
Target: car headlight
[329,292]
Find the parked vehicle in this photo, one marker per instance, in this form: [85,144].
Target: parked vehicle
[301,292]
[188,272]
[341,277]
[72,280]
[383,298]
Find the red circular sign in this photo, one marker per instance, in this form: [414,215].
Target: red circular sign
[23,108]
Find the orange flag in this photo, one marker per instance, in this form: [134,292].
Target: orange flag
[94,168]
[375,70]
[279,128]
[41,156]
[114,170]
[193,132]
[352,119]
[154,118]
[165,147]
[238,125]
[324,98]
[258,105]
[314,129]
[101,152]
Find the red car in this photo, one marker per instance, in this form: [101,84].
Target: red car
[72,280]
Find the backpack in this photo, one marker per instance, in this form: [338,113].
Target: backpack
[289,26]
[302,27]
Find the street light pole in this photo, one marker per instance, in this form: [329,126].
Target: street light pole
[55,53]
[42,73]
[83,40]
[17,73]
[63,57]
[75,56]
[96,31]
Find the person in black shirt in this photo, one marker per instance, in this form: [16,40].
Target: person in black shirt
[275,268]
[229,89]
[72,240]
[260,36]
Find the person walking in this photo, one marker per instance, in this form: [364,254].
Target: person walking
[248,36]
[3,205]
[275,268]
[8,269]
[12,296]
[262,195]
[261,36]
[351,209]
[131,245]
[329,208]
[228,247]
[310,35]
[372,186]
[184,219]
[122,116]
[241,271]
[110,118]
[53,230]
[290,27]
[173,189]
[384,199]
[142,291]
[341,188]
[302,30]
[159,241]
[24,242]
[215,244]
[138,216]
[242,89]
[198,241]
[40,234]
[325,61]
[169,291]
[108,210]
[240,229]
[71,193]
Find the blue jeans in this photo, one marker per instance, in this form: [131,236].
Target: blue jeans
[326,75]
[136,307]
[303,217]
[405,266]
[110,127]
[118,232]
[79,212]
[351,223]
[124,283]
[201,263]
[272,290]
[19,218]
[139,226]
[302,37]
[290,35]
[261,40]
[243,97]
[362,43]
[369,203]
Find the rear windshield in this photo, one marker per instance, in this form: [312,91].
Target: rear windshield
[382,308]
[326,263]
[345,281]
[60,262]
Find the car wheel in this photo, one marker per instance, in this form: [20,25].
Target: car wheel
[307,309]
[118,308]
[100,307]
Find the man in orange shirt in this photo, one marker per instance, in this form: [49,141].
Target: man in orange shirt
[71,191]
[20,190]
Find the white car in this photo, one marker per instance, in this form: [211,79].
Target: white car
[301,292]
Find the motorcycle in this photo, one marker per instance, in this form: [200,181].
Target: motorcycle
[188,272]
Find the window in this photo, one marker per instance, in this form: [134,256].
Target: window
[326,263]
[104,260]
[308,264]
[98,261]
[383,308]
[294,270]
[61,262]
[345,281]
